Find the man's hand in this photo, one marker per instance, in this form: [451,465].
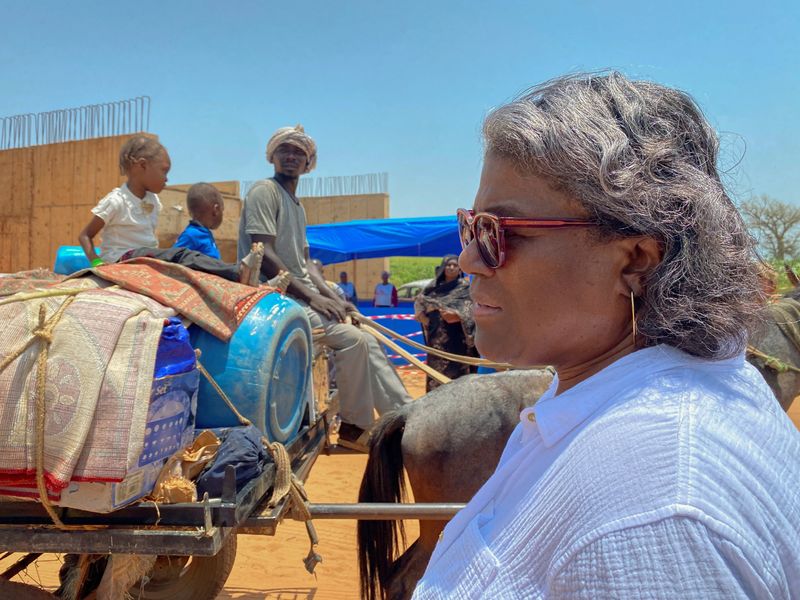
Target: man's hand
[332,309]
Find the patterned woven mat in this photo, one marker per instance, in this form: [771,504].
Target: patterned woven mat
[215,304]
[99,366]
[26,281]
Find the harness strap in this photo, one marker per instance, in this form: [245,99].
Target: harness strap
[786,315]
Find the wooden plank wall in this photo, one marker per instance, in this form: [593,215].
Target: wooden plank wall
[335,209]
[46,195]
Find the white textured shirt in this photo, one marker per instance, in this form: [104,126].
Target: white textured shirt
[130,222]
[662,476]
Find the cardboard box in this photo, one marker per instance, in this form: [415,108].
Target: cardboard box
[170,427]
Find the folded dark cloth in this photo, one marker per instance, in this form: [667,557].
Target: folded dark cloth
[242,448]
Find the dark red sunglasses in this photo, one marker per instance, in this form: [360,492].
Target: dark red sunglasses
[489,231]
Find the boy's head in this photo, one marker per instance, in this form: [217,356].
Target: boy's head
[385,276]
[343,276]
[205,205]
[145,160]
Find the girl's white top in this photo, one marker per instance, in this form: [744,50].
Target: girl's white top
[130,222]
[662,476]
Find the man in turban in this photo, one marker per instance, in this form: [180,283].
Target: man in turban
[272,215]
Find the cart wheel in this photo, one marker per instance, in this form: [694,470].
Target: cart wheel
[188,577]
[22,591]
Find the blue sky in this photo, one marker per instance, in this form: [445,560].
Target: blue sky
[400,87]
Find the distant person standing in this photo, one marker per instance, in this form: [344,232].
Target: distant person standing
[444,309]
[385,292]
[348,289]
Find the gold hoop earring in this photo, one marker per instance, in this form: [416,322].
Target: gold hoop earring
[633,320]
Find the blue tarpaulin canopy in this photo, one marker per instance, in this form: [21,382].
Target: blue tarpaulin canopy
[376,238]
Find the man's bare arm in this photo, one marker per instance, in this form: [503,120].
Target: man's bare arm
[272,264]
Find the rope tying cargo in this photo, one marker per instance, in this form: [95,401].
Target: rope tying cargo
[286,484]
[242,419]
[43,333]
[21,297]
[773,362]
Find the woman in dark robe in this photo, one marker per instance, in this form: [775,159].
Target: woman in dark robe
[445,310]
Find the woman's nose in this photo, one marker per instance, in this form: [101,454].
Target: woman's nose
[470,261]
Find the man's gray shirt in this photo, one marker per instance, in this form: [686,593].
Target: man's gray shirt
[270,210]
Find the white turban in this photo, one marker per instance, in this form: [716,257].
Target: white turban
[296,136]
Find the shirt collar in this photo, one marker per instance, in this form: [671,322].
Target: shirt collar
[193,223]
[556,416]
[148,196]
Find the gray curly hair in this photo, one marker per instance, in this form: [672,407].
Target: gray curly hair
[641,159]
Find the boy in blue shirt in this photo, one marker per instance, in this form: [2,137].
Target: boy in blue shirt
[206,209]
[197,249]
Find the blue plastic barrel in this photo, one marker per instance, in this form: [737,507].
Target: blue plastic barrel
[70,259]
[265,369]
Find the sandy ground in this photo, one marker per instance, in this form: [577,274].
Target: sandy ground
[271,568]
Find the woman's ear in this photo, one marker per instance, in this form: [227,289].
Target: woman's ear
[644,255]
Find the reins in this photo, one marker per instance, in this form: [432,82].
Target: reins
[467,360]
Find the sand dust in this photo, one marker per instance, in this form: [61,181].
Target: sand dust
[271,568]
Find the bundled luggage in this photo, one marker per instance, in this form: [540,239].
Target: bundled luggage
[119,397]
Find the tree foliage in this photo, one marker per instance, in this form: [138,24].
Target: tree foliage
[412,268]
[776,226]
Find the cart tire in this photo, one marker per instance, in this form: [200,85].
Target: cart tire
[199,578]
[22,591]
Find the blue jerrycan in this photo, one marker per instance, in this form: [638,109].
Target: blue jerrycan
[265,370]
[70,259]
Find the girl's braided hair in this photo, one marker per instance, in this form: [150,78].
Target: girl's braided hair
[139,147]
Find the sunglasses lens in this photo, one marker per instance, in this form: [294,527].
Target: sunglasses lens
[464,230]
[486,231]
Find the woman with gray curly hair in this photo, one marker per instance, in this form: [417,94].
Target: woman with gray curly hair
[659,463]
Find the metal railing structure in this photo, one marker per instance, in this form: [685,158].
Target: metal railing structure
[345,185]
[74,124]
